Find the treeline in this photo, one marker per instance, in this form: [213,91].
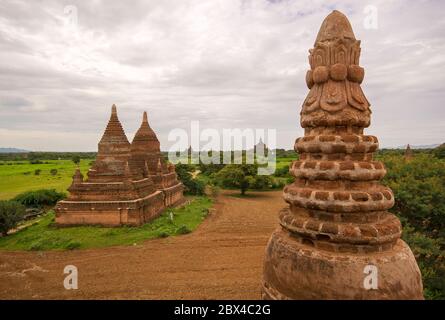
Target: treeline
[419,190]
[41,156]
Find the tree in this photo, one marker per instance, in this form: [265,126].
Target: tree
[11,213]
[243,177]
[39,198]
[419,191]
[192,186]
[76,159]
[439,152]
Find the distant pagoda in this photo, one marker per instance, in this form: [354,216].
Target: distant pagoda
[261,146]
[408,153]
[129,184]
[337,227]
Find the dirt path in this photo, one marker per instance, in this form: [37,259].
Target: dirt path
[222,259]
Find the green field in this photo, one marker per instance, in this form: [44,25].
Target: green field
[19,176]
[283,162]
[43,235]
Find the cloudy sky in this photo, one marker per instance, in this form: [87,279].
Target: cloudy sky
[227,63]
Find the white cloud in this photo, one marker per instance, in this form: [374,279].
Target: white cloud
[223,62]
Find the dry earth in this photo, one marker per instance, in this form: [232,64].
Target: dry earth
[222,259]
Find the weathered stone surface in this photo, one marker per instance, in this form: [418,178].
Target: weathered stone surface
[128,184]
[337,222]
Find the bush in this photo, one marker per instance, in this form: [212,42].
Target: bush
[430,257]
[282,172]
[183,230]
[76,159]
[11,213]
[262,182]
[73,245]
[37,172]
[243,177]
[278,184]
[439,152]
[39,198]
[210,168]
[214,191]
[53,172]
[36,246]
[192,186]
[163,234]
[419,191]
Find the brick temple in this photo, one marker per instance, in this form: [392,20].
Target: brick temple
[129,184]
[336,238]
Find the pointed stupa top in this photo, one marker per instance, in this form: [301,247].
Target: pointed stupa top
[335,26]
[145,132]
[114,131]
[408,152]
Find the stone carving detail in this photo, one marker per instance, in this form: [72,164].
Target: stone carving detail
[337,220]
[129,184]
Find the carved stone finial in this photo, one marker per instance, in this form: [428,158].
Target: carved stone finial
[337,221]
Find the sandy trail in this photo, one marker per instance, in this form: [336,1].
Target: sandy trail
[222,259]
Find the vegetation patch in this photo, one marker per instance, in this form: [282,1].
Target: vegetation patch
[14,181]
[44,235]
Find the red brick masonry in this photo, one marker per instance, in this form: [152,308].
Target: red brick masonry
[129,184]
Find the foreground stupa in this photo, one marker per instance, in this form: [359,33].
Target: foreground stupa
[129,184]
[337,232]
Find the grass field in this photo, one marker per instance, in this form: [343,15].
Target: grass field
[285,162]
[19,176]
[43,235]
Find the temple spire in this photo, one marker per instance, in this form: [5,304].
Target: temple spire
[408,153]
[114,130]
[145,133]
[114,150]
